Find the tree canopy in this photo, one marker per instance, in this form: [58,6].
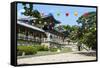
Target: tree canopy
[87,30]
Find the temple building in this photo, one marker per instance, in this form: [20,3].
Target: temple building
[32,31]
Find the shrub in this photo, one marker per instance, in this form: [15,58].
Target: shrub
[53,49]
[41,47]
[29,50]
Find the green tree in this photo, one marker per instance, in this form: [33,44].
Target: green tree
[87,30]
[30,12]
[74,33]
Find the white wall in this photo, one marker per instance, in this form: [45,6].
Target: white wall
[5,34]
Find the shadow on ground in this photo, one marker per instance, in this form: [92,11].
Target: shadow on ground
[87,53]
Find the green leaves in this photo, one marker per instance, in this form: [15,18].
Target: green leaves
[88,29]
[36,14]
[30,12]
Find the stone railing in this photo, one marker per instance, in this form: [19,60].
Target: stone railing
[28,38]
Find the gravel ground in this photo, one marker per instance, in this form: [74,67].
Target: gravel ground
[64,57]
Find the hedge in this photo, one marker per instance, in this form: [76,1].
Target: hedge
[28,50]
[53,49]
[41,47]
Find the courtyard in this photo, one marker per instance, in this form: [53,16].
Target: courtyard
[62,57]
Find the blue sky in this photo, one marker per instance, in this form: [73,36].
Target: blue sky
[62,10]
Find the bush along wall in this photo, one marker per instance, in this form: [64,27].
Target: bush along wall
[26,50]
[33,49]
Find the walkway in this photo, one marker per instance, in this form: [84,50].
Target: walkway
[64,57]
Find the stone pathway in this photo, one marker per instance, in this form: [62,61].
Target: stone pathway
[64,57]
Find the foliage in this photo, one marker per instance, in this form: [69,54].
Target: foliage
[30,12]
[53,49]
[74,33]
[41,47]
[87,30]
[28,50]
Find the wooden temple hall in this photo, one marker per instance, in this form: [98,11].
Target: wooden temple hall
[29,33]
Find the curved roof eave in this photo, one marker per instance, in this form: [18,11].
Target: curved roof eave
[30,26]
